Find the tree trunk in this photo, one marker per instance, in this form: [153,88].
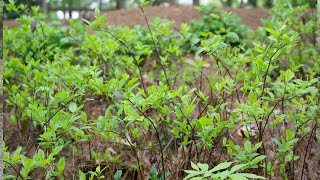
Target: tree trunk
[253,3]
[121,4]
[29,3]
[173,2]
[196,2]
[100,4]
[268,3]
[70,11]
[241,4]
[64,10]
[156,3]
[45,6]
[229,2]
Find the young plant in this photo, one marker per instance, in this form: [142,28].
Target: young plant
[201,171]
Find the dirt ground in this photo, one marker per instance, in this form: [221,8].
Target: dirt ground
[178,14]
[181,14]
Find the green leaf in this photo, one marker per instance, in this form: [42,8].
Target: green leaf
[252,176]
[237,177]
[191,174]
[258,159]
[246,133]
[97,12]
[164,176]
[84,117]
[86,22]
[207,174]
[276,141]
[61,164]
[224,174]
[257,146]
[203,167]
[292,142]
[184,28]
[247,146]
[271,31]
[289,134]
[98,169]
[72,107]
[194,166]
[277,54]
[221,166]
[153,173]
[56,150]
[197,178]
[237,167]
[144,3]
[252,98]
[117,175]
[233,37]
[82,175]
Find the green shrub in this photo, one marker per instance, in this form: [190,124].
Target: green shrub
[161,111]
[219,23]
[201,171]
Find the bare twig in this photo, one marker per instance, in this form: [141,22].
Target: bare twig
[155,47]
[305,155]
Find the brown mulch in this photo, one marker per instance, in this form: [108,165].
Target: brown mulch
[179,14]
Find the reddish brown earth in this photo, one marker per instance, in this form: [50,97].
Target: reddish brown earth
[178,14]
[181,14]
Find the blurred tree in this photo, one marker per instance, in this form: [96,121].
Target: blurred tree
[159,2]
[173,2]
[45,6]
[227,2]
[121,4]
[13,15]
[311,3]
[69,4]
[268,3]
[100,4]
[156,2]
[252,3]
[242,3]
[196,2]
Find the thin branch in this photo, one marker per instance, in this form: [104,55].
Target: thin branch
[269,64]
[305,155]
[156,48]
[157,132]
[133,149]
[64,106]
[19,175]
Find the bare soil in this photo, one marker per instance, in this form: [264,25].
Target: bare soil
[179,14]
